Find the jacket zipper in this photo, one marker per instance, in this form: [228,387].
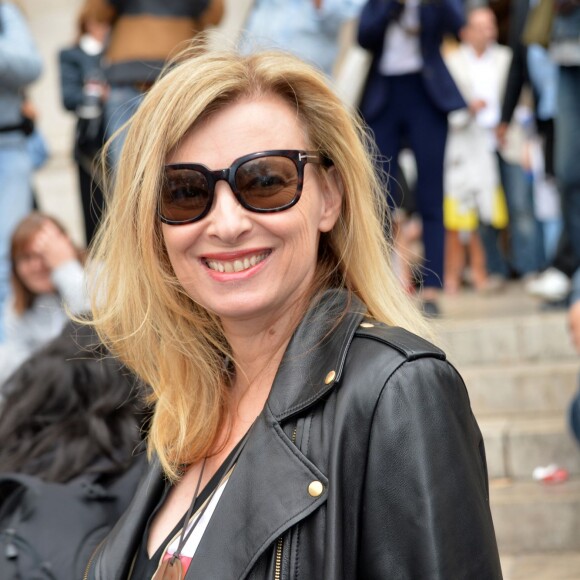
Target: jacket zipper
[91,559]
[278,564]
[280,540]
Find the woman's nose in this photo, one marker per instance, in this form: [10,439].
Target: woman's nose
[228,220]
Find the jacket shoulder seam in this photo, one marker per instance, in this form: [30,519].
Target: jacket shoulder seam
[410,345]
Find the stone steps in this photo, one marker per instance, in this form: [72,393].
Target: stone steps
[521,373]
[530,388]
[545,566]
[515,446]
[531,517]
[507,339]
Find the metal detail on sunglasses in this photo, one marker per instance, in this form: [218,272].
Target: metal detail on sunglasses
[263,182]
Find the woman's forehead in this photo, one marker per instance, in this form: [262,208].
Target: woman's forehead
[243,127]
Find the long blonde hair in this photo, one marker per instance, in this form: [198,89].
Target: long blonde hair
[141,311]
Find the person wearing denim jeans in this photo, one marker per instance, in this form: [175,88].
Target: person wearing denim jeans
[120,106]
[565,50]
[144,35]
[525,245]
[20,65]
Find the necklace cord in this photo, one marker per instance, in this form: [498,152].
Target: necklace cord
[185,536]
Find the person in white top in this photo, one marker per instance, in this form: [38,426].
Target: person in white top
[47,280]
[479,67]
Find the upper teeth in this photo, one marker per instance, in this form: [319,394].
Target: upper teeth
[236,265]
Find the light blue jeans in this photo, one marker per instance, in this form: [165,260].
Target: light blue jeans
[15,203]
[120,106]
[526,248]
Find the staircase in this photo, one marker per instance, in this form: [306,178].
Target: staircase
[521,373]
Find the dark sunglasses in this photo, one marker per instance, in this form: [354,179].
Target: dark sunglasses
[262,182]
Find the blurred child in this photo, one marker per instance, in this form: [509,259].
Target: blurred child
[473,196]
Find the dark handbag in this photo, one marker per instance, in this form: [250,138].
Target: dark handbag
[48,531]
[89,138]
[90,131]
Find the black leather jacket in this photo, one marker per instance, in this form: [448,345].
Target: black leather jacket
[380,419]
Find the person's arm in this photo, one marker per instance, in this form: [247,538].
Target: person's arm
[69,279]
[20,62]
[574,311]
[374,19]
[425,510]
[332,15]
[517,77]
[213,14]
[453,16]
[67,273]
[518,71]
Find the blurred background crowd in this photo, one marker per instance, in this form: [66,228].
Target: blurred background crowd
[473,107]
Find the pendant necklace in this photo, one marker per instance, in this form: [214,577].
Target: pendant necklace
[172,569]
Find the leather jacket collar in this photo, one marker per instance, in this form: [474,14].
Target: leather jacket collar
[318,347]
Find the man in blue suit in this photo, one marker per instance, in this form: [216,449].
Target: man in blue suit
[408,94]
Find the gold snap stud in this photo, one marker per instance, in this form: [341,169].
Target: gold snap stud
[315,488]
[367,325]
[330,377]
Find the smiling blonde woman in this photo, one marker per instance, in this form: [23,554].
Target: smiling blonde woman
[302,428]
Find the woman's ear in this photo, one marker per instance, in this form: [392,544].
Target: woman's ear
[333,192]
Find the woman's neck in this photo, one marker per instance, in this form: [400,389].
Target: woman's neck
[258,348]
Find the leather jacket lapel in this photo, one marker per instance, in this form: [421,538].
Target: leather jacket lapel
[267,493]
[116,558]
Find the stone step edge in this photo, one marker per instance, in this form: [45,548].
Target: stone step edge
[515,447]
[552,422]
[505,491]
[549,565]
[444,325]
[532,366]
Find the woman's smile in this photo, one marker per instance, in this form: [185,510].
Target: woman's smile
[239,262]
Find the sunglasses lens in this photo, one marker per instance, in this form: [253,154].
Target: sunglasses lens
[185,195]
[268,183]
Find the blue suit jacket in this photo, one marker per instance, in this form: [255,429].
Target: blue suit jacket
[437,17]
